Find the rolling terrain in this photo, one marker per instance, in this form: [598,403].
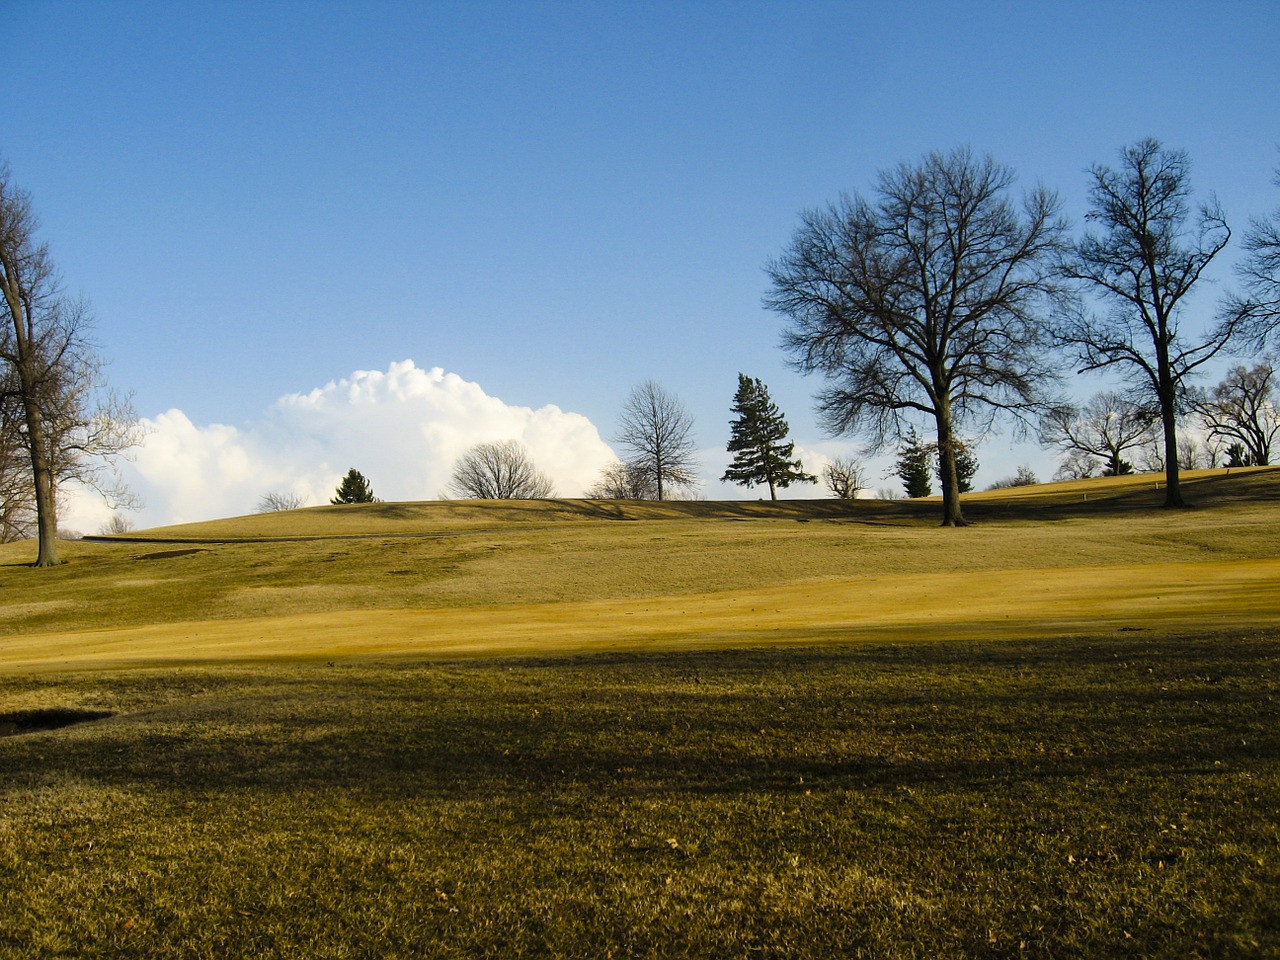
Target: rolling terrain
[550,577]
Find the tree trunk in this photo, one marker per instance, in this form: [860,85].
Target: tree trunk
[951,514]
[1169,420]
[46,493]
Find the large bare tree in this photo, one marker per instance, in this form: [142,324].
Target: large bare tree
[1148,254]
[657,430]
[499,470]
[1105,427]
[70,425]
[924,300]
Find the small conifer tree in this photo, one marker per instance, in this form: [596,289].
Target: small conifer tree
[915,466]
[354,489]
[758,441]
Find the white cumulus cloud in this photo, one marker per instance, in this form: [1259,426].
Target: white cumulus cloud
[403,428]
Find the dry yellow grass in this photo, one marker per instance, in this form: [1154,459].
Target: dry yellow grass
[559,577]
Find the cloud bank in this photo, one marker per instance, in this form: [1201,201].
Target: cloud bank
[403,428]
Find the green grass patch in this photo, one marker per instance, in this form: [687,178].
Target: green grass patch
[1103,798]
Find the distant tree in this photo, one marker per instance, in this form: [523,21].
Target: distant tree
[1105,427]
[1023,477]
[926,299]
[499,470]
[118,524]
[1078,465]
[70,427]
[1243,409]
[915,466]
[758,441]
[354,489]
[623,481]
[278,501]
[844,477]
[1238,456]
[657,430]
[1147,258]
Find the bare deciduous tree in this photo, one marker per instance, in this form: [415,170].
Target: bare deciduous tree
[499,470]
[277,501]
[926,299]
[656,428]
[623,481]
[844,477]
[1147,258]
[1259,307]
[70,428]
[1105,427]
[17,498]
[1242,409]
[117,525]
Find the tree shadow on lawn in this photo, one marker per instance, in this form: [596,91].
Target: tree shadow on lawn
[958,715]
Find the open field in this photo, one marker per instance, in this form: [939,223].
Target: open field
[690,730]
[457,578]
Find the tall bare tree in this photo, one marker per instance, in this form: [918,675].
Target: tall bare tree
[70,426]
[499,470]
[1147,256]
[657,430]
[1105,427]
[924,300]
[1242,409]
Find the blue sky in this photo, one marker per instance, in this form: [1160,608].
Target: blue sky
[552,201]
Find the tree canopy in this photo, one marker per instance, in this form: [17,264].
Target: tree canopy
[657,430]
[355,488]
[758,441]
[499,470]
[927,298]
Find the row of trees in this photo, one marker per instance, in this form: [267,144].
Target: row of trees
[942,297]
[1239,419]
[59,423]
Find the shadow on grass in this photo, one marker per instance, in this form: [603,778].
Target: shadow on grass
[19,722]
[967,716]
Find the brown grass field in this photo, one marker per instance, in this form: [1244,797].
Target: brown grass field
[560,577]
[581,730]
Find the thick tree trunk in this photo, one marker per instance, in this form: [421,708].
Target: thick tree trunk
[951,513]
[46,492]
[1169,420]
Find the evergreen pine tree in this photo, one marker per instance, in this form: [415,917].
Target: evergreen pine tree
[354,489]
[915,466]
[966,467]
[758,441]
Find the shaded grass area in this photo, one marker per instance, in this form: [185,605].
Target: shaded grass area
[1112,797]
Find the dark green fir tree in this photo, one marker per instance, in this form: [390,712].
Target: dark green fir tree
[915,466]
[758,441]
[354,489]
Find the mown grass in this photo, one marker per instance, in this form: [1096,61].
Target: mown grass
[1113,797]
[831,755]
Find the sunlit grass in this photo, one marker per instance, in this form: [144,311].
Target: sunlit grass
[688,730]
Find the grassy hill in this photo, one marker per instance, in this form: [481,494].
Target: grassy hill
[571,576]
[804,730]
